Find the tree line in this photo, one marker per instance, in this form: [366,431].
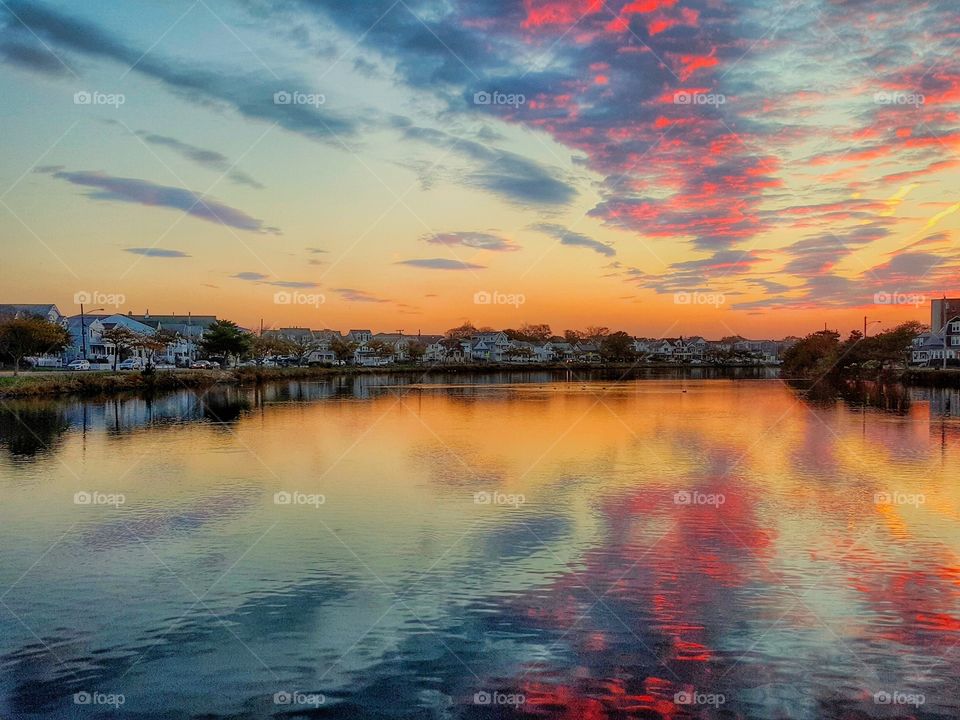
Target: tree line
[824,355]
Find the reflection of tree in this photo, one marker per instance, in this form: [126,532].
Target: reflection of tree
[884,396]
[225,406]
[29,427]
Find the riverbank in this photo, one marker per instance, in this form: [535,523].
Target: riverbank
[55,383]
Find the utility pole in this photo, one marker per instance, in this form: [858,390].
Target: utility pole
[83,331]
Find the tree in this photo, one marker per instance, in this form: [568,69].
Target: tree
[595,334]
[122,338]
[462,332]
[573,336]
[302,346]
[617,347]
[225,338]
[343,350]
[381,349]
[22,337]
[416,351]
[263,347]
[152,344]
[531,333]
[812,356]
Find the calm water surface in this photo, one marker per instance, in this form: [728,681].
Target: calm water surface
[589,549]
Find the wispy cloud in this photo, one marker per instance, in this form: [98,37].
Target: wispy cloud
[210,159]
[575,239]
[156,252]
[476,240]
[149,194]
[354,295]
[441,264]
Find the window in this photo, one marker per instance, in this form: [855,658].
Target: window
[955,340]
[955,327]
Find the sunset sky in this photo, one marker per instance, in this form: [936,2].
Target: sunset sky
[661,166]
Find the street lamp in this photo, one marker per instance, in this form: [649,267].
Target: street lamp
[83,332]
[865,323]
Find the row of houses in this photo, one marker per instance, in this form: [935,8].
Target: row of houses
[88,341]
[940,345]
[370,349]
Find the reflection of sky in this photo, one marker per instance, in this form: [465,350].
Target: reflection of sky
[598,595]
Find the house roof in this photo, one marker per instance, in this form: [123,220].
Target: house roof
[28,309]
[203,321]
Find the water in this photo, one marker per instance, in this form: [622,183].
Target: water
[524,546]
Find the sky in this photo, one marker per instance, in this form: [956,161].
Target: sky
[665,167]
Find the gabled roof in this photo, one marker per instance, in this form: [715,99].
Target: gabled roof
[23,310]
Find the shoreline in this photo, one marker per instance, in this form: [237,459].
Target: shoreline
[65,383]
[86,383]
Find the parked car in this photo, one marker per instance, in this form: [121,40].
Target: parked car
[78,365]
[200,365]
[130,364]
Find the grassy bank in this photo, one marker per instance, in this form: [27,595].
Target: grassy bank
[101,383]
[105,383]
